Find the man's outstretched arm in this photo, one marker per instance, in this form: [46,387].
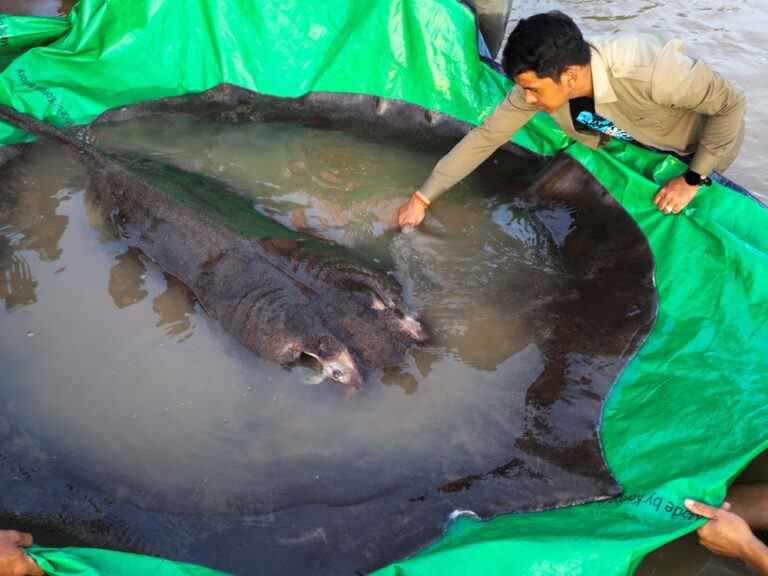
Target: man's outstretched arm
[468,154]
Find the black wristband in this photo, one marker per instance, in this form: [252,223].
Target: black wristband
[694,179]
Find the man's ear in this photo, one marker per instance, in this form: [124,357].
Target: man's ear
[570,77]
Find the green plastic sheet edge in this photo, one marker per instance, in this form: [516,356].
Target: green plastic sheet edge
[20,33]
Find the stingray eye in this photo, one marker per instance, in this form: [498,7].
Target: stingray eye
[377,304]
[326,346]
[337,374]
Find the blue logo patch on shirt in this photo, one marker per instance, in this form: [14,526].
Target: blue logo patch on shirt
[600,124]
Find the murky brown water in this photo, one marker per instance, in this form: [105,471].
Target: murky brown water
[79,310]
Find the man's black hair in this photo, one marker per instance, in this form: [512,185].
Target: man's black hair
[545,44]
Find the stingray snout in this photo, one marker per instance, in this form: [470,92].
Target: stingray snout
[336,362]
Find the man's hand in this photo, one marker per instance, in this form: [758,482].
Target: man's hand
[13,560]
[725,533]
[675,195]
[728,534]
[413,211]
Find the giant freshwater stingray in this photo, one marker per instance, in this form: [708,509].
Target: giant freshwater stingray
[282,294]
[587,335]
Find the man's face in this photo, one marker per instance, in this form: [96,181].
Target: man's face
[545,92]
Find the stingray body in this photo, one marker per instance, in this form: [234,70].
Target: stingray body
[283,294]
[585,326]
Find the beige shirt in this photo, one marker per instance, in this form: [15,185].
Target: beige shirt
[648,88]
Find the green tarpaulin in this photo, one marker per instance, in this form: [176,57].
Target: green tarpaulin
[95,562]
[688,413]
[20,33]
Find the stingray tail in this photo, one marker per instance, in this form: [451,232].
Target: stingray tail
[38,128]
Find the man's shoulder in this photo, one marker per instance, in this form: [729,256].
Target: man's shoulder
[633,56]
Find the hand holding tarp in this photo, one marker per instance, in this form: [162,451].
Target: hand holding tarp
[13,560]
[675,195]
[728,534]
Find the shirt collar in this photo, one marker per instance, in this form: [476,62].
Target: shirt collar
[601,85]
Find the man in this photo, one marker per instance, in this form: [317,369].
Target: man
[631,87]
[729,528]
[13,560]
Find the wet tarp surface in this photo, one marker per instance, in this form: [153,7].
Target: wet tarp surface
[709,339]
[20,33]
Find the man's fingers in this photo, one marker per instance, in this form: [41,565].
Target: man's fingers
[664,202]
[401,218]
[15,537]
[726,506]
[701,509]
[410,218]
[668,208]
[667,203]
[25,539]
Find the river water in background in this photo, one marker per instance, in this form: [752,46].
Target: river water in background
[63,278]
[730,35]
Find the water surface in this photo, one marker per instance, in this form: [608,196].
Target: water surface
[201,415]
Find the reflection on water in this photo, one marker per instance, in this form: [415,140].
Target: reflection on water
[30,230]
[173,306]
[126,280]
[174,309]
[17,286]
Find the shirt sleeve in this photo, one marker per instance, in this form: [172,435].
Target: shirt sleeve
[680,81]
[479,144]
